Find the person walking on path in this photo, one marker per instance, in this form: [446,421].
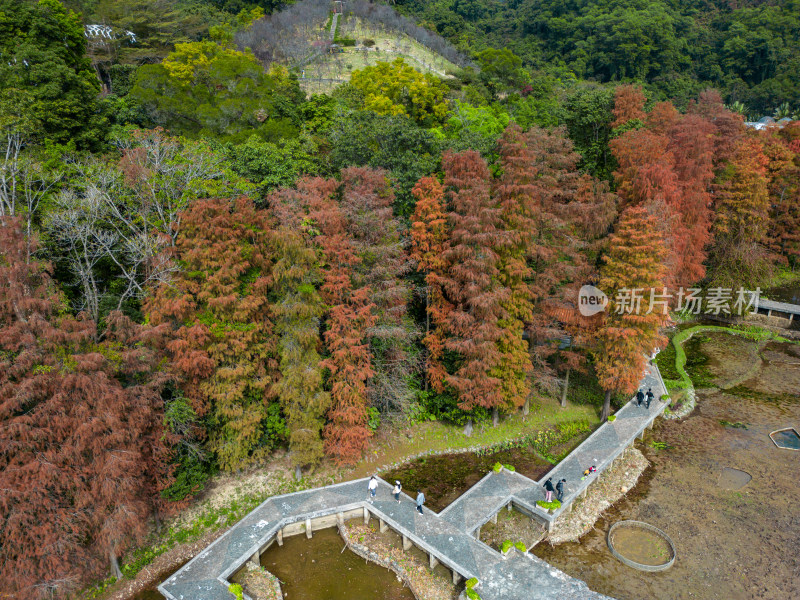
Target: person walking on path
[396,491]
[560,490]
[639,398]
[420,501]
[548,489]
[650,397]
[373,488]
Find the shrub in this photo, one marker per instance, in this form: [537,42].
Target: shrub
[665,397]
[549,505]
[612,418]
[346,42]
[368,43]
[505,546]
[236,590]
[471,583]
[473,595]
[496,468]
[521,547]
[510,468]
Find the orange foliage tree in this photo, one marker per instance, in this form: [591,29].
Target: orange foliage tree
[470,283]
[741,217]
[217,306]
[628,105]
[629,333]
[429,232]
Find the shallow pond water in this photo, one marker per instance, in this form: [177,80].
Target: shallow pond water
[787,439]
[318,569]
[785,293]
[731,544]
[445,477]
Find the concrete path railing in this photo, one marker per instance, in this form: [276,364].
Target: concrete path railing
[448,538]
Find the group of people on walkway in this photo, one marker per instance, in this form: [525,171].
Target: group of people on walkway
[640,396]
[549,489]
[372,489]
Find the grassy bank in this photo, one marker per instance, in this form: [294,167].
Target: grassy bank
[672,361]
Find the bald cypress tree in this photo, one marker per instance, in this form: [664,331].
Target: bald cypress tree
[429,232]
[627,335]
[83,448]
[470,283]
[298,310]
[217,306]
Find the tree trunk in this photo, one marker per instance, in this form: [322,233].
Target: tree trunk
[298,473]
[427,332]
[606,406]
[115,572]
[468,428]
[495,417]
[564,391]
[526,408]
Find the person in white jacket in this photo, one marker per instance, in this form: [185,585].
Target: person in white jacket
[372,488]
[396,491]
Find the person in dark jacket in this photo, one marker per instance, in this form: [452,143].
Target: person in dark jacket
[650,397]
[548,489]
[560,490]
[639,398]
[420,501]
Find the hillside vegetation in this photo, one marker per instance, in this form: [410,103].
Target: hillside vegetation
[748,49]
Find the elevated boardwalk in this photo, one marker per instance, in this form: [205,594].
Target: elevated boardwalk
[767,307]
[449,538]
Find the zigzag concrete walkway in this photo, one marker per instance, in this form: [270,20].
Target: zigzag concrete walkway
[447,537]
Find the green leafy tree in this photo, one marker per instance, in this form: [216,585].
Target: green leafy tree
[501,70]
[398,89]
[43,53]
[397,144]
[206,89]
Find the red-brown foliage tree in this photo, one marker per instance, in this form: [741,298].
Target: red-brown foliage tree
[223,346]
[377,238]
[428,236]
[628,335]
[348,323]
[667,168]
[628,104]
[83,452]
[470,282]
[692,151]
[549,210]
